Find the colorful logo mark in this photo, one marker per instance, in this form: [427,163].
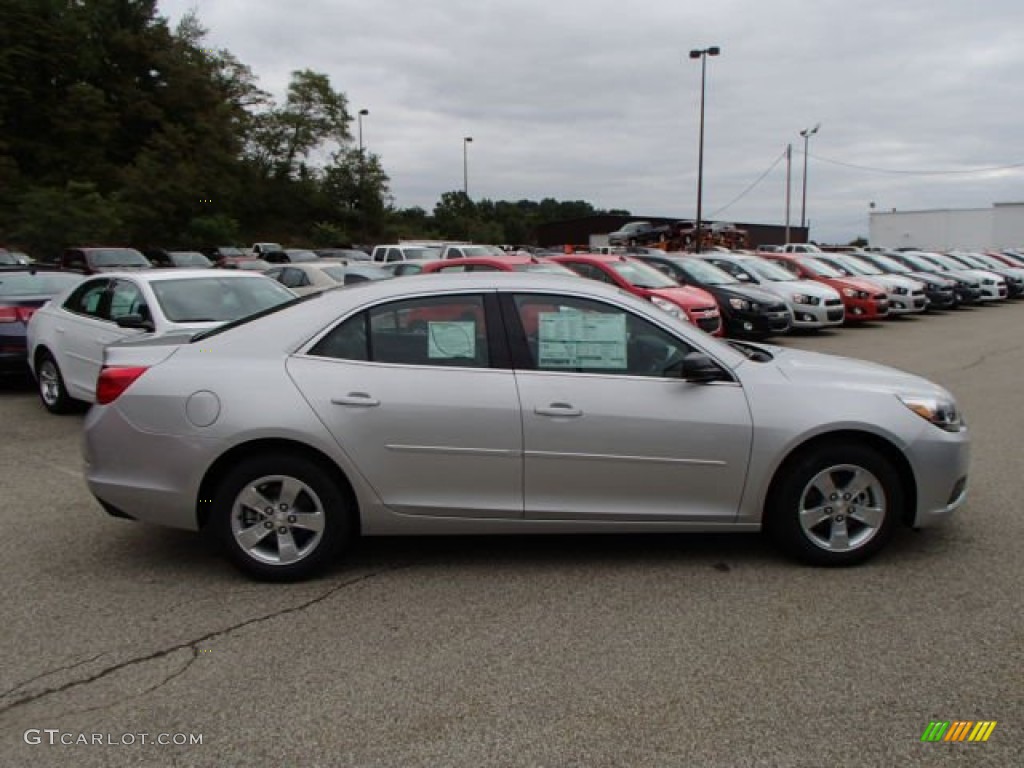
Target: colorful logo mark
[958,730]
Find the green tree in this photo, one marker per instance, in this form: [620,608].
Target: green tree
[50,218]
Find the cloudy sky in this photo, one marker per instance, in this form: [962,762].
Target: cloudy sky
[597,100]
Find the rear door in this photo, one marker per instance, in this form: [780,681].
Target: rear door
[419,394]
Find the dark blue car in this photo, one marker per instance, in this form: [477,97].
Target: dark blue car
[23,289]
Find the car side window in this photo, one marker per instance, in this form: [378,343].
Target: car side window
[733,269]
[294,278]
[126,299]
[569,334]
[87,298]
[394,254]
[436,331]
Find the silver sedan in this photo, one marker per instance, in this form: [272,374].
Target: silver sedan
[510,403]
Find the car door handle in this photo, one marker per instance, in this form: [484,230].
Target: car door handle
[358,399]
[558,409]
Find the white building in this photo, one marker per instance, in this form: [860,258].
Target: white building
[1001,226]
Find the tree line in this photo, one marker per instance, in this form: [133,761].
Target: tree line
[116,128]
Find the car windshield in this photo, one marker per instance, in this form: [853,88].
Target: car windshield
[36,283]
[970,260]
[480,251]
[945,261]
[858,266]
[920,264]
[337,274]
[256,265]
[6,257]
[421,253]
[820,268]
[890,265]
[554,269]
[217,299]
[301,255]
[642,276]
[189,259]
[768,271]
[117,257]
[704,272]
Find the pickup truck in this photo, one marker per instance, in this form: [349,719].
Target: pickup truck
[90,261]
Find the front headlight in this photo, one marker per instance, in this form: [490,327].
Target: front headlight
[739,304]
[803,298]
[668,306]
[942,412]
[851,293]
[899,290]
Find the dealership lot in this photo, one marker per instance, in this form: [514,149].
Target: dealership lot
[590,651]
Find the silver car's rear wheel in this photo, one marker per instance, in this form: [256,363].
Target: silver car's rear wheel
[281,517]
[51,385]
[835,503]
[277,519]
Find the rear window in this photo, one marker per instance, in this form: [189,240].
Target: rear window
[36,284]
[217,299]
[117,257]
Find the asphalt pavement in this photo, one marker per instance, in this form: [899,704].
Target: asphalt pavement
[704,650]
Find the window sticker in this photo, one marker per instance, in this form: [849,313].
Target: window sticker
[451,339]
[582,340]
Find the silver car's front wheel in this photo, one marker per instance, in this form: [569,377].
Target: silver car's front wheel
[835,504]
[842,508]
[281,517]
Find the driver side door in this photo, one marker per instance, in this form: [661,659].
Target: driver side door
[610,430]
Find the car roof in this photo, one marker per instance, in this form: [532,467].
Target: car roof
[602,258]
[188,273]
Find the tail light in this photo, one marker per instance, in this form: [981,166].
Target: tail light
[114,381]
[16,314]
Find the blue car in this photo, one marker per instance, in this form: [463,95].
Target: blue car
[23,289]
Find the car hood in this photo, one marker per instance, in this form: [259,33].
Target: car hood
[896,281]
[806,287]
[856,284]
[928,277]
[684,295]
[804,367]
[748,292]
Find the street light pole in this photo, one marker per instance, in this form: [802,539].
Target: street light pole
[789,175]
[806,133]
[362,113]
[702,54]
[465,165]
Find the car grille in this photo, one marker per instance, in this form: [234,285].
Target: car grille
[834,314]
[833,302]
[879,297]
[709,324]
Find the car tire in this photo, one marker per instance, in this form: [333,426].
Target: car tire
[282,517]
[836,505]
[50,386]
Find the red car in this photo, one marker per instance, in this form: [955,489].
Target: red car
[686,302]
[862,298]
[494,264]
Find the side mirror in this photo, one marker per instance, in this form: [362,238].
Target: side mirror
[137,322]
[698,368]
[743,277]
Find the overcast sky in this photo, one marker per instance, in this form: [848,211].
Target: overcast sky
[597,99]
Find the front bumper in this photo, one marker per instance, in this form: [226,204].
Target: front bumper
[907,303]
[993,292]
[817,315]
[861,310]
[943,299]
[756,323]
[940,461]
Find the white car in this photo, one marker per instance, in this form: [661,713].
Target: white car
[308,277]
[67,336]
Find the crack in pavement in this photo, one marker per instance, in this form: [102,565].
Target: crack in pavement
[49,672]
[189,644]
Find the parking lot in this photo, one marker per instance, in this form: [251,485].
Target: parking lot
[518,651]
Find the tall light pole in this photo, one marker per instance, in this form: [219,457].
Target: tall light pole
[702,54]
[362,114]
[789,175]
[806,133]
[465,165]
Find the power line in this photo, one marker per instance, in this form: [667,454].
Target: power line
[916,173]
[743,194]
